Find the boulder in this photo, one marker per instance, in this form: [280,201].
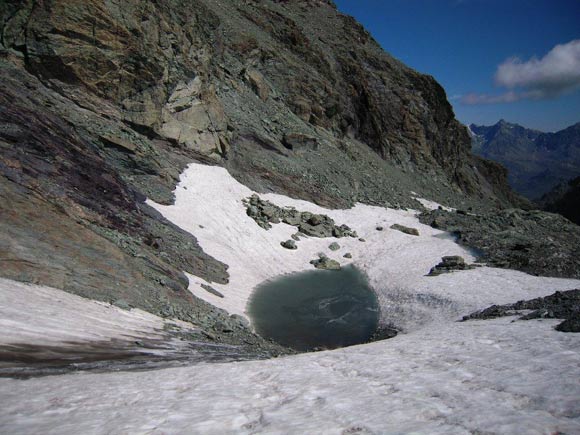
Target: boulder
[298,142]
[448,264]
[406,230]
[323,262]
[334,246]
[213,291]
[289,244]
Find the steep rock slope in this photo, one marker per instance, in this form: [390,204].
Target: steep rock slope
[536,161]
[103,103]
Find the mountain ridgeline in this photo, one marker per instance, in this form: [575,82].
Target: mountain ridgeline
[537,162]
[103,104]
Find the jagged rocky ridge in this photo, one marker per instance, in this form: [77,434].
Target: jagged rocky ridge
[536,161]
[104,103]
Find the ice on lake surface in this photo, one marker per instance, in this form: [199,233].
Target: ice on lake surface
[323,309]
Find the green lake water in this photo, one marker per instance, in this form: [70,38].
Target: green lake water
[317,309]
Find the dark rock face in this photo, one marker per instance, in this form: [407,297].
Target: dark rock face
[560,305]
[564,200]
[535,242]
[536,161]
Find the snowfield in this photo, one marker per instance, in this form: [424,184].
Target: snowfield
[438,377]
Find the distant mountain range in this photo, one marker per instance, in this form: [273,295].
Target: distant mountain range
[537,162]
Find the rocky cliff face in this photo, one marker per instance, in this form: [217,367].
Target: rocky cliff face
[104,103]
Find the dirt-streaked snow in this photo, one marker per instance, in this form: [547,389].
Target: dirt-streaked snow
[39,315]
[439,377]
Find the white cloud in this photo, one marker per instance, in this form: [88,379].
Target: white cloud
[555,74]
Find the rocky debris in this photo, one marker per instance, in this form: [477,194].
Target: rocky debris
[265,214]
[334,246]
[323,262]
[560,305]
[347,255]
[299,142]
[406,230]
[213,291]
[534,241]
[289,244]
[449,264]
[362,240]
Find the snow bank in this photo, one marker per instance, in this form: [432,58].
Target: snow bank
[44,316]
[459,378]
[209,205]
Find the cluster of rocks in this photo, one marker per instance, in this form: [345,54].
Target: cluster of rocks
[324,262]
[450,263]
[560,305]
[309,224]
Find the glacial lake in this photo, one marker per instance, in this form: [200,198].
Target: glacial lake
[316,309]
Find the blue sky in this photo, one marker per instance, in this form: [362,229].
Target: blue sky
[462,43]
